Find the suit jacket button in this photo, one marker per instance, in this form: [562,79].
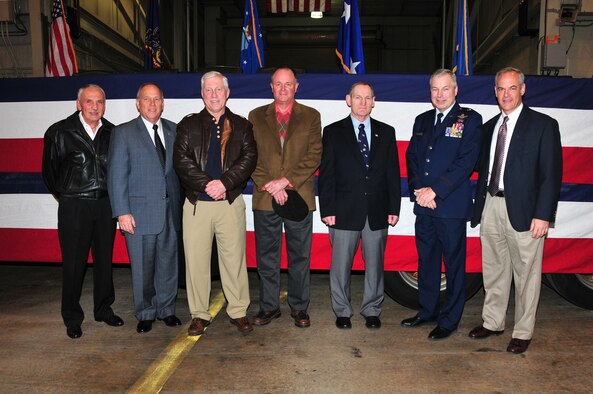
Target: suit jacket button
[428,160]
[426,174]
[430,147]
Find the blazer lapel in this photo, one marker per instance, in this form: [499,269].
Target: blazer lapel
[375,140]
[351,141]
[520,127]
[169,141]
[273,125]
[144,137]
[295,117]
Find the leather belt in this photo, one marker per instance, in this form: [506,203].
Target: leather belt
[500,193]
[92,195]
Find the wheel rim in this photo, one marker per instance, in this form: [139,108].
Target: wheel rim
[586,280]
[411,279]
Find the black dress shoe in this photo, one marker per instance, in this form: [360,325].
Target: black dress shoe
[112,320]
[171,321]
[414,322]
[373,322]
[439,333]
[74,331]
[343,323]
[144,326]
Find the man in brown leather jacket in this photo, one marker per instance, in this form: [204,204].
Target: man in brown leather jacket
[214,155]
[74,169]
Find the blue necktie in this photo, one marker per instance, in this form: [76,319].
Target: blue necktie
[439,119]
[363,144]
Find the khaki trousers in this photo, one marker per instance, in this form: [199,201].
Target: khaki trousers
[507,256]
[227,222]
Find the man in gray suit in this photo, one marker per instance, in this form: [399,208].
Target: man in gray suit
[145,198]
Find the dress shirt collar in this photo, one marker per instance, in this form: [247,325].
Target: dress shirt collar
[150,130]
[88,128]
[367,127]
[445,113]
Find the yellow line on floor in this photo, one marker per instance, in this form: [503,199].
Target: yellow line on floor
[162,368]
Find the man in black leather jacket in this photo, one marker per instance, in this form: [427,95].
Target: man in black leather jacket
[214,155]
[74,170]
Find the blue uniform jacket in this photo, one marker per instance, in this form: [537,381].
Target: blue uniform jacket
[444,159]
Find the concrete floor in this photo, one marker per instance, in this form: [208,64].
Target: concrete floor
[37,356]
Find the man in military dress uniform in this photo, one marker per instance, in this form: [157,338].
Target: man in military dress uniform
[440,158]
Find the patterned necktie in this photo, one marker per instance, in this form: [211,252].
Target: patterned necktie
[363,144]
[493,186]
[158,144]
[282,129]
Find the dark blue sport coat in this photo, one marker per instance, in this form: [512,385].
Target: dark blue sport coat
[533,170]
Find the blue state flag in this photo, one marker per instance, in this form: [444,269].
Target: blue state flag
[349,48]
[252,47]
[152,39]
[462,58]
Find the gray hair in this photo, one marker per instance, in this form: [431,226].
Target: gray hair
[513,70]
[90,85]
[214,74]
[444,71]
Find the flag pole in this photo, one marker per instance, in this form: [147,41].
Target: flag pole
[443,30]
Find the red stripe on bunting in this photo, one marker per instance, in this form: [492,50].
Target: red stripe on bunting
[576,168]
[24,155]
[42,245]
[21,154]
[34,245]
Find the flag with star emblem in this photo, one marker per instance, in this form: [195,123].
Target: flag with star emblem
[349,48]
[462,59]
[61,59]
[152,38]
[252,47]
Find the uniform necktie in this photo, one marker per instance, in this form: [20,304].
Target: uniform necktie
[363,144]
[160,149]
[439,119]
[494,185]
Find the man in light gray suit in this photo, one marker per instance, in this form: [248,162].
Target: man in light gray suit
[145,198]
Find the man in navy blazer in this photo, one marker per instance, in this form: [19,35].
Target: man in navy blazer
[441,156]
[520,174]
[359,197]
[145,198]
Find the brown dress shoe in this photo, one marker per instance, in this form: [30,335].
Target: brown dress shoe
[482,332]
[301,318]
[197,326]
[262,318]
[518,346]
[242,324]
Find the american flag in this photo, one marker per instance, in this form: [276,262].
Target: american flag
[283,6]
[61,59]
